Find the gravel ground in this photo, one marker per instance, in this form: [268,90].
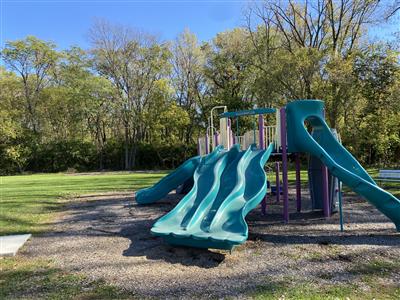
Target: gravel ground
[108,237]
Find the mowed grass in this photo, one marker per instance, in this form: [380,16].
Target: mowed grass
[26,278]
[369,279]
[28,202]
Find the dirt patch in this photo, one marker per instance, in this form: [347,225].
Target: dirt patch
[108,237]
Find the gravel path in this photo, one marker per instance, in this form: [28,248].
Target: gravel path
[108,237]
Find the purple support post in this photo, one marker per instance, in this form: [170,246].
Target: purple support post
[231,135]
[298,183]
[325,192]
[278,181]
[261,131]
[284,167]
[216,138]
[207,143]
[262,146]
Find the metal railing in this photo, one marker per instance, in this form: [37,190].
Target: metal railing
[269,135]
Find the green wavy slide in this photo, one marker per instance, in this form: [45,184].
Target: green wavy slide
[227,186]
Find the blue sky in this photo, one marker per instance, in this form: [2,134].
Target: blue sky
[66,22]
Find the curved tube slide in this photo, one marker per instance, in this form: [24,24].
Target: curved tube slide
[338,160]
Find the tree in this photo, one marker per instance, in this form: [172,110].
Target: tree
[377,128]
[228,68]
[134,62]
[14,153]
[315,37]
[32,59]
[188,79]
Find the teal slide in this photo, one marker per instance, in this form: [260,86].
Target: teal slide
[227,185]
[338,160]
[168,183]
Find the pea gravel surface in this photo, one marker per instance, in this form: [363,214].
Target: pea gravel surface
[108,237]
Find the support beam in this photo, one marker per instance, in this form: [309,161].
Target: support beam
[229,132]
[207,140]
[277,181]
[298,183]
[198,146]
[340,206]
[261,131]
[264,204]
[284,166]
[325,191]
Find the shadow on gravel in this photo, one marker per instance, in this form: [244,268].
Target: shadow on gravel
[154,248]
[323,239]
[122,217]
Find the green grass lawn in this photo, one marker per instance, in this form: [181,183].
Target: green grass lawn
[28,202]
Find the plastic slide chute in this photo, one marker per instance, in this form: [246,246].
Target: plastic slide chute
[227,186]
[170,182]
[339,161]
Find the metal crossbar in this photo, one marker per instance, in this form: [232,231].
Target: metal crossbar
[389,175]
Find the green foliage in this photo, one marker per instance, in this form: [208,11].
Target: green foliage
[103,108]
[61,155]
[228,68]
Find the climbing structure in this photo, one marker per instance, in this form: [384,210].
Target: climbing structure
[228,177]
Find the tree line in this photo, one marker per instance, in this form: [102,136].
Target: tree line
[133,101]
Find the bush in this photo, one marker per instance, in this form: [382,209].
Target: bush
[59,156]
[64,156]
[151,156]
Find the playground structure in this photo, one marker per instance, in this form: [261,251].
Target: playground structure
[227,179]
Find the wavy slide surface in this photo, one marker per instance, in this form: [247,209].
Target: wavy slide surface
[227,185]
[338,160]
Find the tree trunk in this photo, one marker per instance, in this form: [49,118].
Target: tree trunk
[101,159]
[126,165]
[132,156]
